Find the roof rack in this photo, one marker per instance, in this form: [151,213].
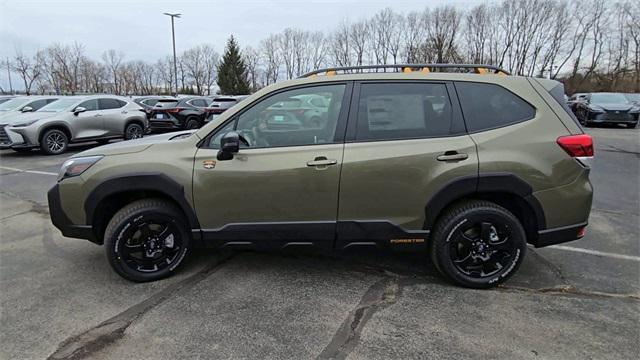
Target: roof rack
[407,68]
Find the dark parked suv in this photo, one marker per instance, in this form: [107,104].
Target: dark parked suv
[468,168]
[177,114]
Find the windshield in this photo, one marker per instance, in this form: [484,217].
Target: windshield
[166,103]
[606,98]
[58,106]
[14,104]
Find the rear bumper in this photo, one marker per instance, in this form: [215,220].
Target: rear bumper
[62,222]
[164,125]
[559,235]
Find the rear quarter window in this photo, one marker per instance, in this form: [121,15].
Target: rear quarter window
[490,106]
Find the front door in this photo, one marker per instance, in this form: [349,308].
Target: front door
[281,189]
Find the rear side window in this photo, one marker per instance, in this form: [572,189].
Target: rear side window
[489,106]
[392,111]
[199,103]
[106,104]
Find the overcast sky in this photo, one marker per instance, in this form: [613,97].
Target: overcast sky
[142,32]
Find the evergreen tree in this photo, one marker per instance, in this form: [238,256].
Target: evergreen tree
[232,71]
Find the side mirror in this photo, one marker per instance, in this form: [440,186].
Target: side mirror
[78,110]
[229,145]
[27,109]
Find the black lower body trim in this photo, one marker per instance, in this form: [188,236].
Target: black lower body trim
[324,236]
[62,222]
[559,235]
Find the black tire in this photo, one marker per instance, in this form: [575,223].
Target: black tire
[166,245]
[460,231]
[133,131]
[191,124]
[54,142]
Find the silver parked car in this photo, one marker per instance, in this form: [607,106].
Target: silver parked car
[23,104]
[75,119]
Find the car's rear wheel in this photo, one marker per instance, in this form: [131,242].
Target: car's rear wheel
[54,142]
[192,124]
[133,131]
[478,244]
[147,240]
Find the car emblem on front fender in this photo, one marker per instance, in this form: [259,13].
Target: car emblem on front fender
[209,164]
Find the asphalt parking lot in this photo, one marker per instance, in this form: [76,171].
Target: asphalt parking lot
[60,299]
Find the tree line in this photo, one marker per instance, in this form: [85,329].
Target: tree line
[591,45]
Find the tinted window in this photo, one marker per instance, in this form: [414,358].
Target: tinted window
[150,102]
[403,111]
[267,125]
[90,105]
[487,106]
[106,104]
[166,104]
[199,103]
[558,95]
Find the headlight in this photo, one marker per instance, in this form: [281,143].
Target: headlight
[595,109]
[635,109]
[24,124]
[76,166]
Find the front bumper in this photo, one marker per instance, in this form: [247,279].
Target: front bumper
[618,117]
[62,222]
[11,139]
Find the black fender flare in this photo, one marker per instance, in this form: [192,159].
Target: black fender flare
[484,183]
[157,182]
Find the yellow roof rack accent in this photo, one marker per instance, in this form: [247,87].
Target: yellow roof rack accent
[407,68]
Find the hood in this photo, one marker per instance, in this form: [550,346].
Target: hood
[133,146]
[15,117]
[613,107]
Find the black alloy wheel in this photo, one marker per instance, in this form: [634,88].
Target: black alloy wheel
[146,240]
[478,244]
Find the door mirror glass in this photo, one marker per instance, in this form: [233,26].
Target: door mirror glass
[78,110]
[229,145]
[27,109]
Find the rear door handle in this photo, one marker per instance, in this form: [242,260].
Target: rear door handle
[321,161]
[452,156]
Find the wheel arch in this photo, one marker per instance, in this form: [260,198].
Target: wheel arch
[504,189]
[132,120]
[114,193]
[57,126]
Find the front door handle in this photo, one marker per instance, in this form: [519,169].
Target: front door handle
[452,156]
[321,161]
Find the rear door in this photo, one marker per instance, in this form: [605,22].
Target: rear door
[113,115]
[405,141]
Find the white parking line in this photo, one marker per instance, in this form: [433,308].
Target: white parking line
[596,252]
[28,171]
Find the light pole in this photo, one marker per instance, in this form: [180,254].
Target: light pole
[173,35]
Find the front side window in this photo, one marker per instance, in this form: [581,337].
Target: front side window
[276,121]
[90,105]
[392,111]
[489,106]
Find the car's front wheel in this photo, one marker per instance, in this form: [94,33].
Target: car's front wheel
[478,244]
[133,131]
[147,240]
[54,142]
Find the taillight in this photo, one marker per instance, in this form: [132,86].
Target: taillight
[577,145]
[174,110]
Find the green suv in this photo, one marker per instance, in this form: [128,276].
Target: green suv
[466,167]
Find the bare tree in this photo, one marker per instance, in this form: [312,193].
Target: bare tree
[271,57]
[252,61]
[113,60]
[28,68]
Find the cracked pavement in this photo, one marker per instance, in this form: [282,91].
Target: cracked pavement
[60,299]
